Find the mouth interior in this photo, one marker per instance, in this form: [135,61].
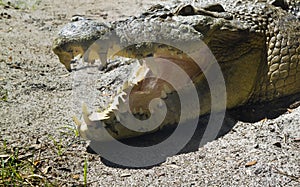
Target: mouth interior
[149,80]
[161,68]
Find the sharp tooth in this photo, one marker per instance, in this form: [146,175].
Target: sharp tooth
[130,84]
[122,106]
[85,127]
[117,116]
[140,62]
[114,105]
[119,90]
[125,85]
[90,128]
[78,57]
[167,89]
[121,99]
[127,91]
[85,114]
[134,111]
[163,94]
[77,122]
[141,111]
[123,96]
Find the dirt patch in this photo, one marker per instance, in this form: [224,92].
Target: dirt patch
[36,115]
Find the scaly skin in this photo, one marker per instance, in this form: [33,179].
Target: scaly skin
[255,43]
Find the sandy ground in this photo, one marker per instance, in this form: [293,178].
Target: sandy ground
[39,109]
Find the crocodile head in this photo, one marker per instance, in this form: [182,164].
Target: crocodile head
[236,38]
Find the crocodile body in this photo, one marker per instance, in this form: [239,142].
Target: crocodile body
[256,44]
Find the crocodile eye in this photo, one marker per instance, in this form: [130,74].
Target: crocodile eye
[215,8]
[280,3]
[186,10]
[149,55]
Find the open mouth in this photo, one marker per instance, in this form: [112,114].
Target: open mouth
[152,84]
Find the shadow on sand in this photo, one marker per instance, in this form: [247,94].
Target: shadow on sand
[248,113]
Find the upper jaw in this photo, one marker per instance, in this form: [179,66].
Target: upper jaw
[185,23]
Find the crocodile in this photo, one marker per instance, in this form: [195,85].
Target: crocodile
[256,45]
